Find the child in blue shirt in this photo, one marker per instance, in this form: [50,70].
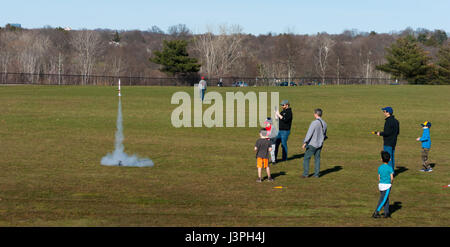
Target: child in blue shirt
[426,145]
[385,177]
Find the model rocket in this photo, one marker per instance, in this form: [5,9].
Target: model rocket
[119,89]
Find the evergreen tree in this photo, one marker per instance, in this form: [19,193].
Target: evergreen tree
[116,37]
[444,65]
[407,60]
[175,59]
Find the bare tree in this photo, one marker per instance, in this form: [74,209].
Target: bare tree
[324,45]
[5,52]
[180,31]
[32,48]
[86,45]
[288,50]
[219,52]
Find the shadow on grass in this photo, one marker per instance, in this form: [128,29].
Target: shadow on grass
[394,207]
[330,170]
[296,156]
[399,170]
[274,175]
[293,157]
[432,165]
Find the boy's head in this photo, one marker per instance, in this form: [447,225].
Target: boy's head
[385,156]
[268,123]
[426,124]
[263,132]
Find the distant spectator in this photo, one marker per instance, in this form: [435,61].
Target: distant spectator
[202,87]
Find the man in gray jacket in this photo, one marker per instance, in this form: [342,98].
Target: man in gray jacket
[317,134]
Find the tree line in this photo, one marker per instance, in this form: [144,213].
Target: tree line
[416,56]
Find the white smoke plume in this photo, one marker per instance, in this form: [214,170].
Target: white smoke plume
[119,157]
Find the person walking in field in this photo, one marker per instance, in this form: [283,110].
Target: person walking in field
[313,142]
[425,139]
[390,132]
[202,87]
[262,149]
[285,122]
[385,179]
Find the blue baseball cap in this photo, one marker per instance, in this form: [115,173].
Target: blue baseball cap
[388,109]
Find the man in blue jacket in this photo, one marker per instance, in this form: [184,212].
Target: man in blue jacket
[426,145]
[390,132]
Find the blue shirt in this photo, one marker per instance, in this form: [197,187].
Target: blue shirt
[385,172]
[426,139]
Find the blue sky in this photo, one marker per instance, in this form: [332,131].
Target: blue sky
[256,17]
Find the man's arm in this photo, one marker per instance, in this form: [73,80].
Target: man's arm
[310,133]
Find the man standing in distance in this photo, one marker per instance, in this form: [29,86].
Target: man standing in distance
[390,133]
[202,87]
[285,121]
[313,142]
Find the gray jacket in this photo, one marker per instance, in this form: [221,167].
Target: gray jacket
[316,134]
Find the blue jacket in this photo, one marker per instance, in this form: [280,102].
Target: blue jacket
[426,139]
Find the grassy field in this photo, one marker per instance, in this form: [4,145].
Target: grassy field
[52,140]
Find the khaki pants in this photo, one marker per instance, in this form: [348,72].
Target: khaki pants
[425,152]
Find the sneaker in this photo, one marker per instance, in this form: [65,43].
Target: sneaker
[429,169]
[270,179]
[386,215]
[423,170]
[376,215]
[303,176]
[259,180]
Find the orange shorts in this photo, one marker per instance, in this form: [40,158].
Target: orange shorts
[262,163]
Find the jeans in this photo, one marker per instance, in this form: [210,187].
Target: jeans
[391,151]
[203,91]
[384,201]
[282,138]
[310,151]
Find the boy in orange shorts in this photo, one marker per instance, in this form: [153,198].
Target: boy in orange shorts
[263,148]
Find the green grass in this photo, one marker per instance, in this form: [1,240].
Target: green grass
[52,140]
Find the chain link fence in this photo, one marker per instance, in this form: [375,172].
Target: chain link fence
[105,80]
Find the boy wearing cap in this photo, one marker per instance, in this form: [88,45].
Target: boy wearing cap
[285,122]
[390,132]
[426,145]
[263,148]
